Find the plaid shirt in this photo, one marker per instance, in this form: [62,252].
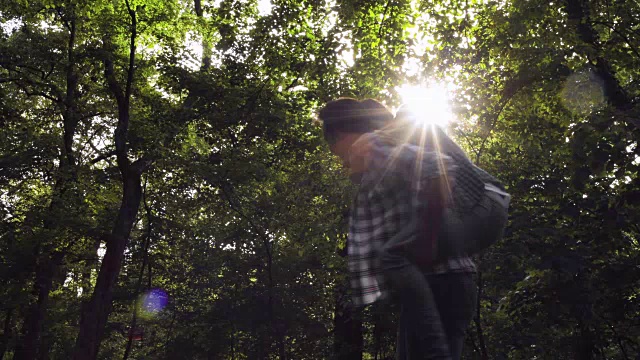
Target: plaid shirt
[388,194]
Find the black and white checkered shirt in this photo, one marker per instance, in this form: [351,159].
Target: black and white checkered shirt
[389,193]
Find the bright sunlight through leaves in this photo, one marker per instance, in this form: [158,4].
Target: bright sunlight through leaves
[429,104]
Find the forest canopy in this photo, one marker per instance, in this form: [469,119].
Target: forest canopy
[166,194]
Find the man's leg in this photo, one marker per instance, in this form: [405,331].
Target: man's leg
[421,317]
[402,343]
[421,335]
[455,296]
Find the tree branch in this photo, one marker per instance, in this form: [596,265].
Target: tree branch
[132,51]
[94,114]
[145,259]
[493,125]
[141,165]
[37,93]
[616,95]
[384,17]
[64,21]
[23,82]
[619,33]
[110,77]
[477,319]
[102,157]
[123,99]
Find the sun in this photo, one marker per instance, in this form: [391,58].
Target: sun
[429,104]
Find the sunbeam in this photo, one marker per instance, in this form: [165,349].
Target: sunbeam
[429,104]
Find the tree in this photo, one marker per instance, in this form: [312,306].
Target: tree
[152,148]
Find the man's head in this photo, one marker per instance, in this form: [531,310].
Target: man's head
[345,120]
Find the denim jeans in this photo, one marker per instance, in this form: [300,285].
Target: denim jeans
[435,308]
[454,295]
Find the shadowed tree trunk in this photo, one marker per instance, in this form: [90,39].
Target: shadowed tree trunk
[28,348]
[206,42]
[95,312]
[348,340]
[91,264]
[48,261]
[145,259]
[6,335]
[483,347]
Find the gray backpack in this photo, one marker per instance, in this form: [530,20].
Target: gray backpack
[474,231]
[443,232]
[461,220]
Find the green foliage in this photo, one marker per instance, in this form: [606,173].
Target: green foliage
[243,216]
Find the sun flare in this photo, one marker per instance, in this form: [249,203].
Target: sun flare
[429,104]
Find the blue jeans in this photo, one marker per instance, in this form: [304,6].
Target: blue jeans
[435,308]
[454,295]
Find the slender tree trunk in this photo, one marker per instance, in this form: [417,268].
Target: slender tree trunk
[379,331]
[145,259]
[584,347]
[483,347]
[264,342]
[348,340]
[48,262]
[96,311]
[6,335]
[206,43]
[59,275]
[28,348]
[132,327]
[91,264]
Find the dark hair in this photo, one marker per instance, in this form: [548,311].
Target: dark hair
[377,112]
[348,115]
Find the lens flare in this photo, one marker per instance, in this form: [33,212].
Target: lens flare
[429,104]
[152,302]
[583,92]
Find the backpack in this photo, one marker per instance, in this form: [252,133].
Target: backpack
[444,232]
[473,232]
[453,221]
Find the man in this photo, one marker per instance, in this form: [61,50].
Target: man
[406,185]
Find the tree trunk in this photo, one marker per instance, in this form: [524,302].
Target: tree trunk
[483,347]
[206,43]
[584,346]
[95,312]
[34,322]
[145,259]
[348,341]
[48,261]
[6,335]
[90,264]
